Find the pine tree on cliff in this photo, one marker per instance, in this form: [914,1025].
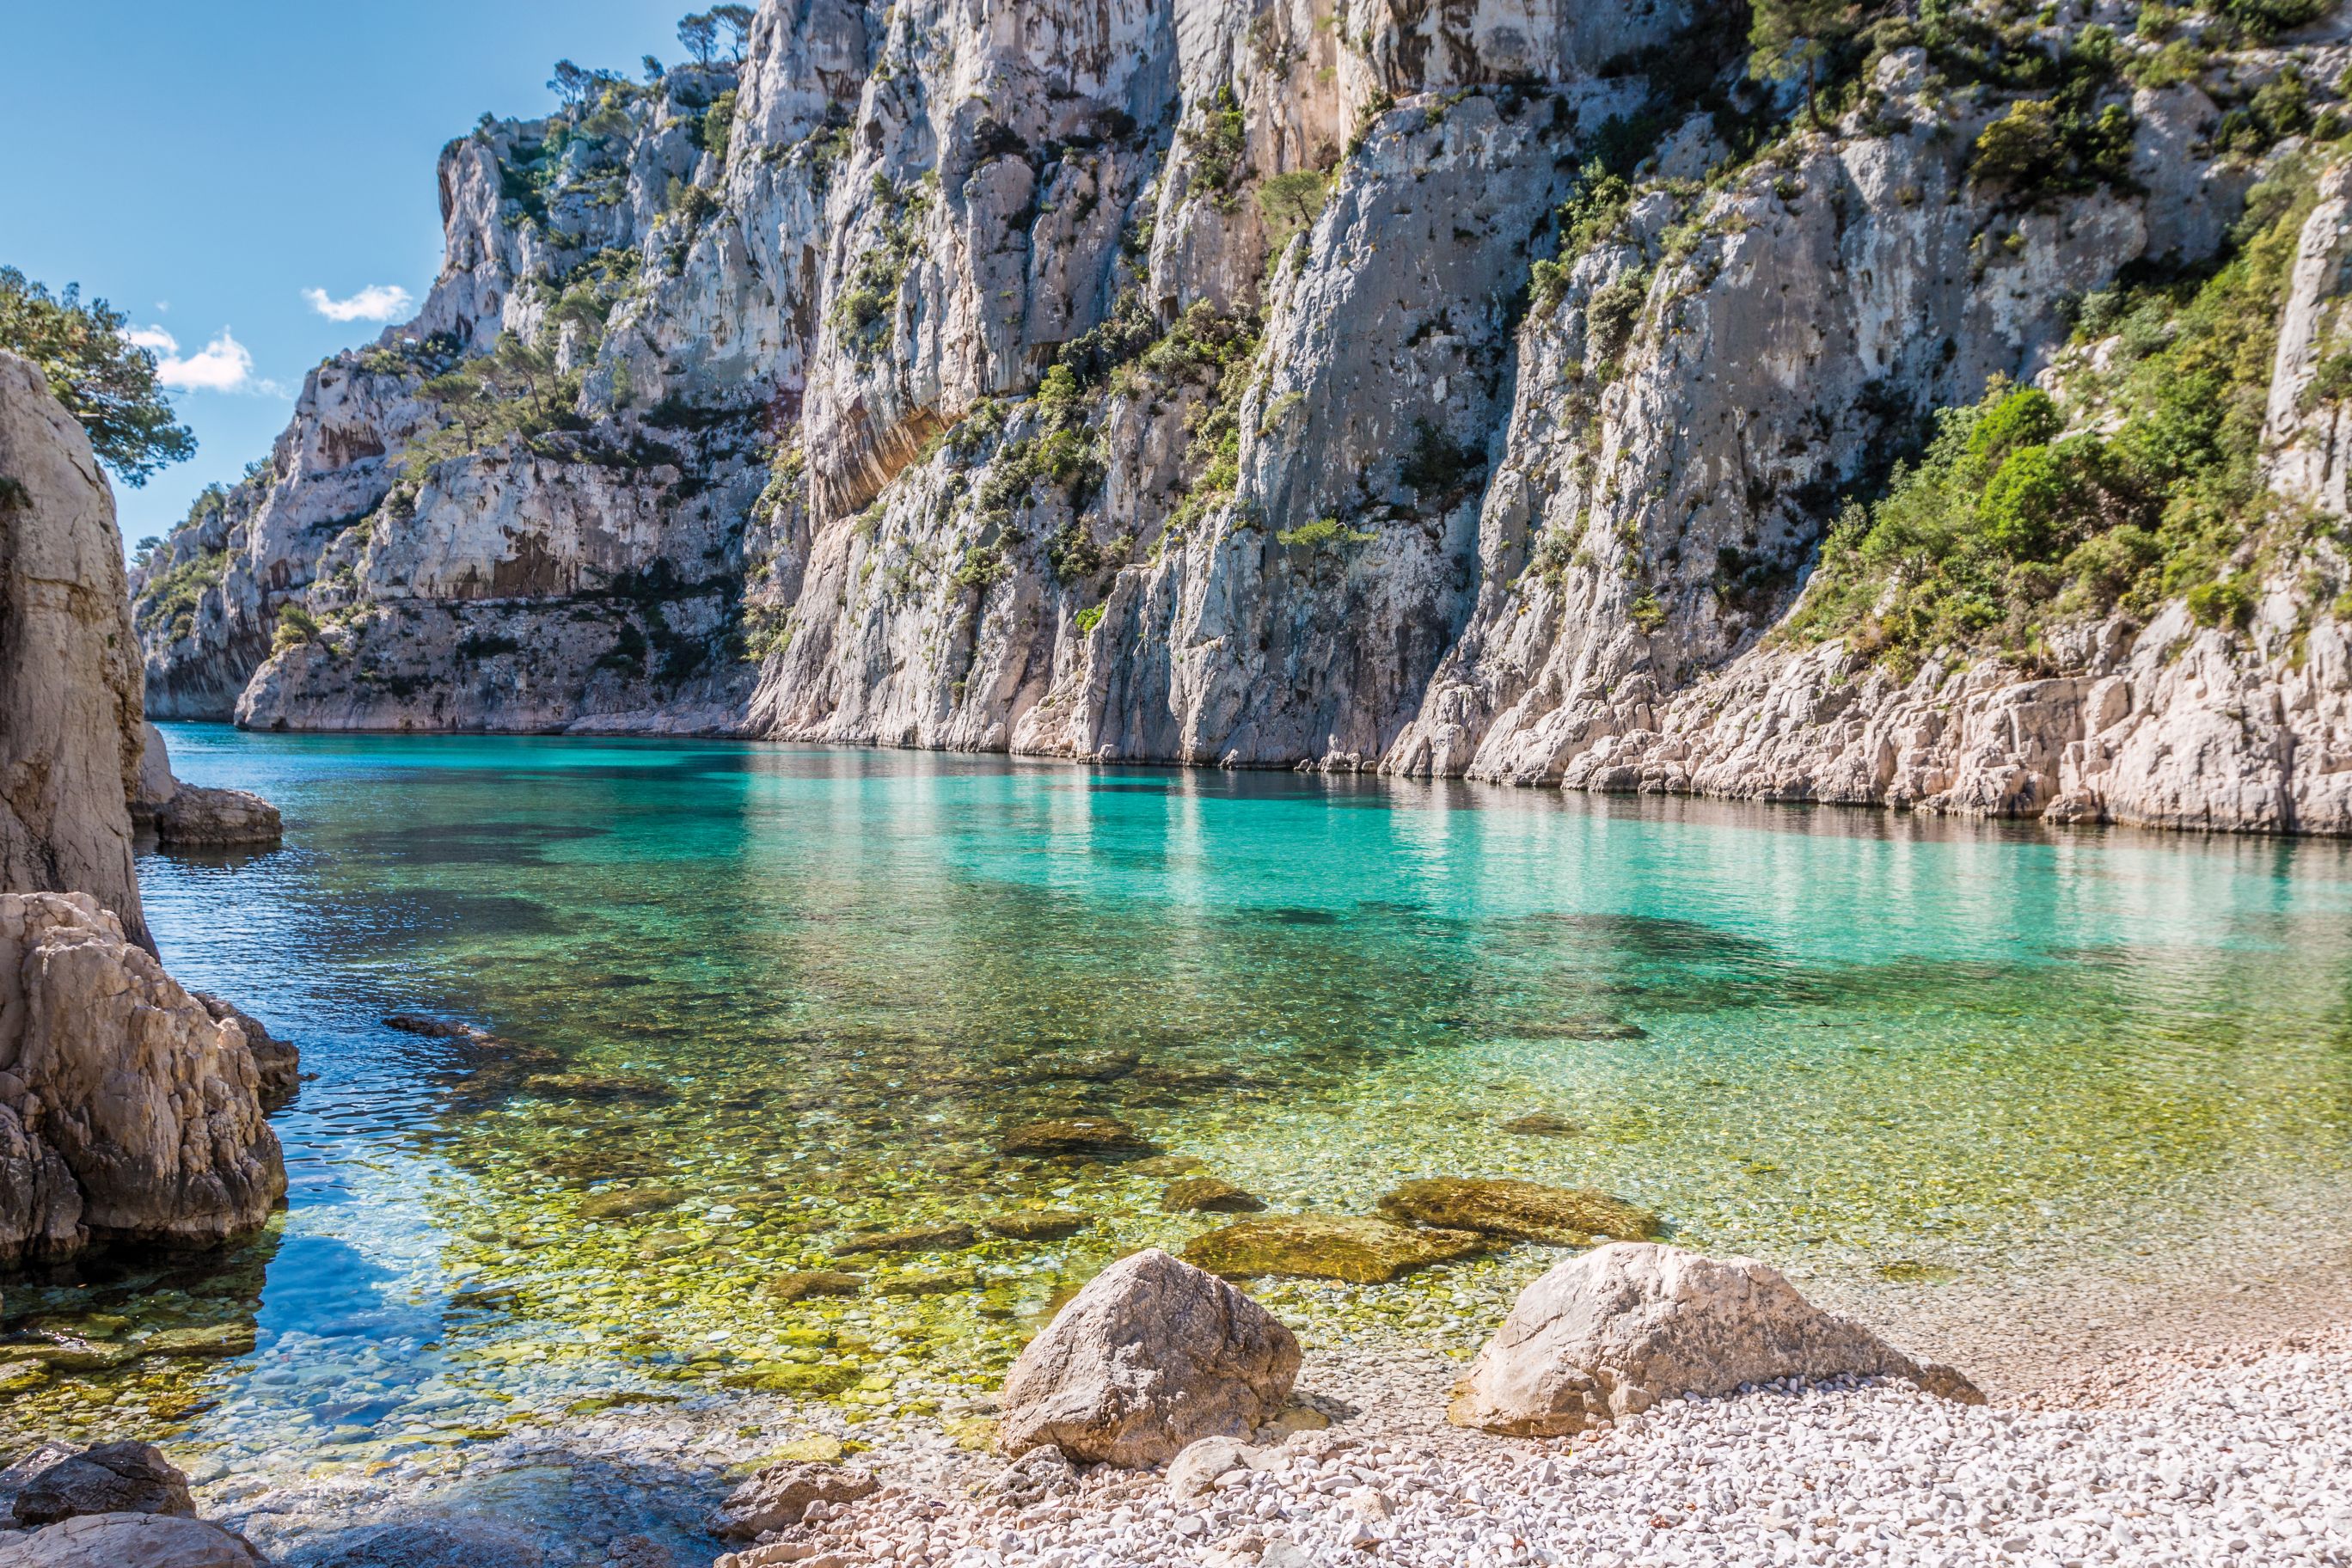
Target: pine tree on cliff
[104,379]
[1792,36]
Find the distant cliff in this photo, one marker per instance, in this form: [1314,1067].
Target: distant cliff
[1514,391]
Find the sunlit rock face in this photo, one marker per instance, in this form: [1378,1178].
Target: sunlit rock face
[1122,379]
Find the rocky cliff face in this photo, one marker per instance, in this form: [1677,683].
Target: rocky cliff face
[1442,390]
[70,729]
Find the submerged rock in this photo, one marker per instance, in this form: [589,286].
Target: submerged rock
[945,1281]
[952,1236]
[1077,1137]
[626,1202]
[430,1028]
[131,1541]
[1541,1124]
[1523,1210]
[1354,1248]
[112,1477]
[1619,1329]
[597,1086]
[414,1543]
[799,1379]
[127,1111]
[1208,1194]
[780,1494]
[802,1284]
[1151,1356]
[1044,1224]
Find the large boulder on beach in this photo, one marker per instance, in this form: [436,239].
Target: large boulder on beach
[1623,1327]
[1354,1248]
[1152,1355]
[778,1495]
[70,703]
[130,1540]
[128,1111]
[112,1477]
[1521,1211]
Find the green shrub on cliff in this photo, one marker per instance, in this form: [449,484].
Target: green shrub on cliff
[2007,524]
[513,390]
[168,603]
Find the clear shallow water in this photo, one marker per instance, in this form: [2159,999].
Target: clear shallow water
[804,991]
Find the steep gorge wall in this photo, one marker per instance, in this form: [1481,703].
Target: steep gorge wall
[128,1111]
[70,729]
[1121,379]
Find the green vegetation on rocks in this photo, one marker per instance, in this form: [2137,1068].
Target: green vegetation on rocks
[1208,1194]
[1077,1137]
[170,601]
[2139,482]
[950,1237]
[799,1285]
[1042,1224]
[1523,1210]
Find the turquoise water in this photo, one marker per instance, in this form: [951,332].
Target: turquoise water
[783,994]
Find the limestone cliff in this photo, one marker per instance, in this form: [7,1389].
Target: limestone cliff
[71,730]
[1447,390]
[128,1112]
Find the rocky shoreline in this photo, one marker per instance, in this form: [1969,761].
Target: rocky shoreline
[2224,1365]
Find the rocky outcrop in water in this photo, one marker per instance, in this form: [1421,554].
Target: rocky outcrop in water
[1618,1329]
[192,817]
[128,1112]
[1284,387]
[71,728]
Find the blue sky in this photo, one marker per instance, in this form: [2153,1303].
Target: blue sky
[204,167]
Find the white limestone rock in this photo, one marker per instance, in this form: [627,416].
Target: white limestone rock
[1152,1356]
[1615,1331]
[128,1112]
[70,735]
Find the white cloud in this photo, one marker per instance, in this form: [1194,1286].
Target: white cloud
[155,338]
[376,302]
[223,365]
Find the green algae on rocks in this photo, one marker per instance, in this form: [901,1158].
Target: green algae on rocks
[1077,1138]
[1355,1249]
[799,1285]
[1208,1194]
[954,1237]
[1042,1224]
[1522,1211]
